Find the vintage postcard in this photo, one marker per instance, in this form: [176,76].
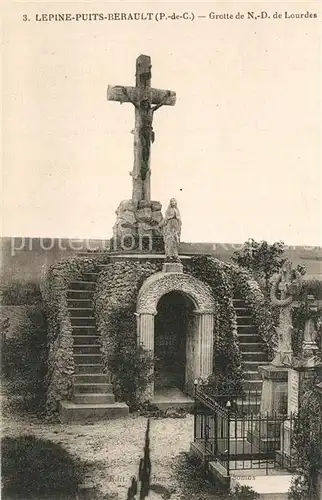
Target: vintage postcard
[161,252]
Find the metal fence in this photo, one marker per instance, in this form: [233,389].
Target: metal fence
[238,436]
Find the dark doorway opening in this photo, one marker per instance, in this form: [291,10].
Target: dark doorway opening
[171,324]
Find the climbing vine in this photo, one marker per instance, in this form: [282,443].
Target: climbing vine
[247,288]
[115,307]
[227,377]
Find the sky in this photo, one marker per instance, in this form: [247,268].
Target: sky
[240,150]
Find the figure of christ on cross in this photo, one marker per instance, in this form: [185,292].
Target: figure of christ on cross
[143,97]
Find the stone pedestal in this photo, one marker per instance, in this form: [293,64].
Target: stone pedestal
[266,433]
[172,267]
[274,389]
[138,227]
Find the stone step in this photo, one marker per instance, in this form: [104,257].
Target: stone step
[86,340]
[80,294]
[251,393]
[245,320]
[87,359]
[93,378]
[71,412]
[255,384]
[92,388]
[93,398]
[251,374]
[243,329]
[87,349]
[242,311]
[239,303]
[254,356]
[83,285]
[88,368]
[83,321]
[252,365]
[77,312]
[75,303]
[84,330]
[90,276]
[252,347]
[250,338]
[249,406]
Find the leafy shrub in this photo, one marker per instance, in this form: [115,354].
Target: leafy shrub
[217,384]
[17,293]
[24,359]
[192,479]
[243,493]
[132,368]
[32,467]
[307,440]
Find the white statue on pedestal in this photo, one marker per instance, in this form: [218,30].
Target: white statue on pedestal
[172,231]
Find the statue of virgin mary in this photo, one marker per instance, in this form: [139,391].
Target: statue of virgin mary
[172,231]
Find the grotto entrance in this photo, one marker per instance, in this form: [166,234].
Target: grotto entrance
[172,321]
[175,319]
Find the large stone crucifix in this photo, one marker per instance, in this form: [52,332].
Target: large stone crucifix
[146,101]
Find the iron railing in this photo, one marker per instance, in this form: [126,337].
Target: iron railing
[235,433]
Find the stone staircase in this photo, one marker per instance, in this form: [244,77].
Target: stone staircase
[93,398]
[253,352]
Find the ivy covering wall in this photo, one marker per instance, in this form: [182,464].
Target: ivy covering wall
[228,375]
[115,306]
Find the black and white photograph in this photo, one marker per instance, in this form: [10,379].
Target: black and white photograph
[161,250]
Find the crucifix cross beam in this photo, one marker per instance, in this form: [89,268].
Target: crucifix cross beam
[146,101]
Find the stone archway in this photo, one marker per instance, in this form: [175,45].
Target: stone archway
[199,345]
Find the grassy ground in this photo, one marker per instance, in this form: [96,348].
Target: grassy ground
[113,450]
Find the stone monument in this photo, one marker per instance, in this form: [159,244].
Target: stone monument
[299,368]
[140,218]
[275,375]
[287,282]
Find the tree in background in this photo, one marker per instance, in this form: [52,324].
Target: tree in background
[261,259]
